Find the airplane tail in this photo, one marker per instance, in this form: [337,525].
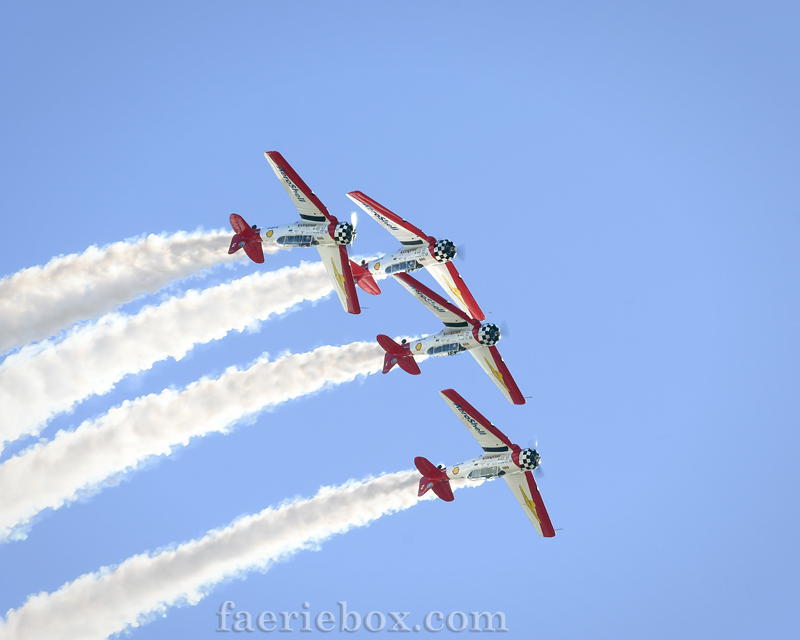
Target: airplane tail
[433,478]
[364,279]
[399,355]
[246,237]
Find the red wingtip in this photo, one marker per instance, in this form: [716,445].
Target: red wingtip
[353,306]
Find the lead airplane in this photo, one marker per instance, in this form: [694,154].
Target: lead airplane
[461,333]
[501,458]
[316,228]
[420,250]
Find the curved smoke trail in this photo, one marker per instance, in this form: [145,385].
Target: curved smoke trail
[51,474]
[112,600]
[41,301]
[51,377]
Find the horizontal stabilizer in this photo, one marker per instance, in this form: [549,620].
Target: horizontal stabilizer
[399,355]
[254,251]
[390,346]
[364,279]
[246,237]
[433,478]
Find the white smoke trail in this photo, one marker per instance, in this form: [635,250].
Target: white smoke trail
[50,474]
[50,377]
[109,601]
[40,301]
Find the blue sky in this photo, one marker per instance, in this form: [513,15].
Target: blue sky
[624,181]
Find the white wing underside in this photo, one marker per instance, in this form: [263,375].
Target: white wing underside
[485,358]
[521,488]
[489,437]
[332,261]
[308,205]
[405,232]
[437,305]
[442,275]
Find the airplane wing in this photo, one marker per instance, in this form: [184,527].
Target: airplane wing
[405,232]
[527,494]
[446,311]
[491,362]
[491,439]
[309,205]
[337,265]
[446,274]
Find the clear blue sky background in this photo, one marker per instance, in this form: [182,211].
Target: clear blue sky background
[624,177]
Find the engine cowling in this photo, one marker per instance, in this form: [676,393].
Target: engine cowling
[344,233]
[488,334]
[444,251]
[529,459]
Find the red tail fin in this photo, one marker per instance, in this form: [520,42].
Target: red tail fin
[433,478]
[364,279]
[246,237]
[397,355]
[236,243]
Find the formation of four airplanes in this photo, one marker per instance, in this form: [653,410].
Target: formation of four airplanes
[462,318]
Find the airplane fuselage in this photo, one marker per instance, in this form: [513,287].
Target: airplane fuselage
[449,342]
[404,261]
[308,234]
[298,234]
[489,465]
[495,464]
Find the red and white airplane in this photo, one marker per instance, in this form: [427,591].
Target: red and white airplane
[317,228]
[501,458]
[461,333]
[420,250]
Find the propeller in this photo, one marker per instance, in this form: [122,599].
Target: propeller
[505,332]
[354,222]
[461,251]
